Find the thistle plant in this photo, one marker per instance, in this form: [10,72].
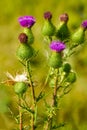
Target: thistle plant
[60,76]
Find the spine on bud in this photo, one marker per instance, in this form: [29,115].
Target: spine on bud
[30,35]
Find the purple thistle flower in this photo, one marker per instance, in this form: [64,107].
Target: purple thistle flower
[26,21]
[48,15]
[57,46]
[84,24]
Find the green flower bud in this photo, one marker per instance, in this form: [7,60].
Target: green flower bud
[78,37]
[30,35]
[24,52]
[20,88]
[71,77]
[55,60]
[48,28]
[66,67]
[63,31]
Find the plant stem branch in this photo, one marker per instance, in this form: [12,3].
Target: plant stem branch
[32,91]
[54,102]
[20,116]
[55,90]
[30,79]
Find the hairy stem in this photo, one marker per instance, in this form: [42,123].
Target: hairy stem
[47,78]
[30,79]
[32,91]
[20,116]
[55,90]
[54,102]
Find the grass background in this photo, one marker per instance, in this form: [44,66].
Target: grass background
[74,105]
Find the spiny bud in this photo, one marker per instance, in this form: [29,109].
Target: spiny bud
[20,88]
[24,52]
[78,37]
[57,47]
[71,77]
[48,27]
[63,32]
[66,67]
[55,60]
[23,38]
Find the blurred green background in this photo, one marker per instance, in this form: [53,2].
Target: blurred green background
[74,105]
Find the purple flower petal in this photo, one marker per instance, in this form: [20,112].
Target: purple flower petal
[84,24]
[57,46]
[26,21]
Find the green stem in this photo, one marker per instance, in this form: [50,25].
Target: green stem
[20,115]
[32,91]
[46,81]
[54,103]
[50,38]
[55,90]
[31,82]
[47,78]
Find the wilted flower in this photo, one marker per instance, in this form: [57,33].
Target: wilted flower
[18,78]
[64,17]
[57,46]
[23,38]
[48,15]
[26,21]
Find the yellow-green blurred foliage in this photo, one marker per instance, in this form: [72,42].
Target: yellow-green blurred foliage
[74,105]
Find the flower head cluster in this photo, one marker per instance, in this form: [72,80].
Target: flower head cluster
[57,46]
[48,15]
[84,24]
[26,21]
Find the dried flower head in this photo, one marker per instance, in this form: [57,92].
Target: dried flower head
[26,21]
[84,24]
[23,38]
[57,46]
[18,78]
[47,15]
[64,17]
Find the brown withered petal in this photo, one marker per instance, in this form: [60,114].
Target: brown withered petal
[23,38]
